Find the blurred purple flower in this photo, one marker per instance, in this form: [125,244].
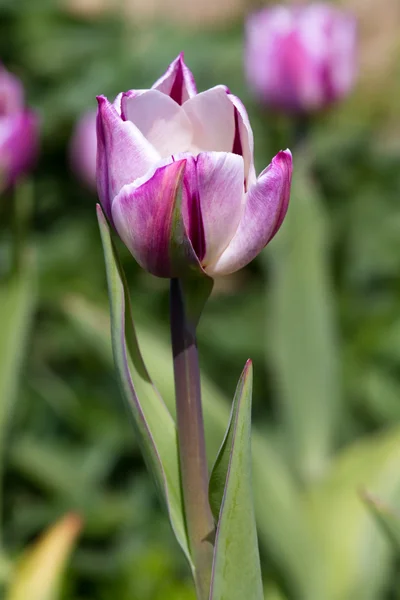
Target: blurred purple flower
[176,177]
[83,149]
[301,58]
[19,131]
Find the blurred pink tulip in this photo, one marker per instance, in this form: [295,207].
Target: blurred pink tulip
[301,58]
[83,149]
[18,131]
[176,177]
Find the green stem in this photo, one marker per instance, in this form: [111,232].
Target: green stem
[192,452]
[21,214]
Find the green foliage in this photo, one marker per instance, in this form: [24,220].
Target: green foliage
[153,423]
[236,566]
[326,411]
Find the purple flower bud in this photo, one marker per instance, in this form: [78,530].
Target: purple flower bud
[176,177]
[301,58]
[18,131]
[83,149]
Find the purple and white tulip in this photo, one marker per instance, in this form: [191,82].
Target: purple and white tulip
[301,58]
[176,177]
[83,149]
[18,131]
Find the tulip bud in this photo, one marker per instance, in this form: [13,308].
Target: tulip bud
[300,58]
[83,149]
[176,177]
[18,131]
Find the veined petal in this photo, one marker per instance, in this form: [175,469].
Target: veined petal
[244,139]
[161,120]
[265,208]
[212,204]
[177,82]
[212,116]
[144,215]
[123,153]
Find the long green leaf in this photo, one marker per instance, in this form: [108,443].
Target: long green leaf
[236,566]
[154,425]
[17,303]
[302,334]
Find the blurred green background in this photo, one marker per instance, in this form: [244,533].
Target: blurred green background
[318,312]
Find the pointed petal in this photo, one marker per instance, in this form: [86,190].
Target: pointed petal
[177,82]
[161,120]
[212,116]
[244,140]
[266,206]
[123,153]
[212,204]
[145,219]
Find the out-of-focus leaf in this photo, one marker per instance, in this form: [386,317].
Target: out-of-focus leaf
[356,556]
[236,565]
[388,519]
[38,574]
[153,423]
[17,302]
[302,336]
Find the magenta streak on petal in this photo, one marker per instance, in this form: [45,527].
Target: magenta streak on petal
[195,225]
[176,92]
[102,175]
[237,142]
[286,159]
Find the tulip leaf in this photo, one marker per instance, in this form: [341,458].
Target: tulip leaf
[17,303]
[302,329]
[37,575]
[154,426]
[387,519]
[236,565]
[284,532]
[356,557]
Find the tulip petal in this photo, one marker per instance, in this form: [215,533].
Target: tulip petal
[244,132]
[123,154]
[265,208]
[212,204]
[11,93]
[177,82]
[19,140]
[145,218]
[212,116]
[161,120]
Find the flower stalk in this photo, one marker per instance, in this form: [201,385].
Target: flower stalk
[192,450]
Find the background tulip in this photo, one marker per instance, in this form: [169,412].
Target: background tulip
[18,130]
[159,144]
[300,58]
[83,149]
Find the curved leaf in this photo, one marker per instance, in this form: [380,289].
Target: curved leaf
[154,425]
[236,567]
[356,556]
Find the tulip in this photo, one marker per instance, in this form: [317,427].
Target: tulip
[83,149]
[18,131]
[300,58]
[176,177]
